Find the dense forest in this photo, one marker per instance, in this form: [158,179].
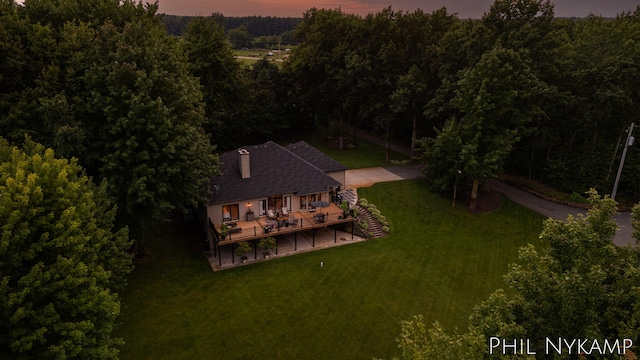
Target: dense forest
[518,90]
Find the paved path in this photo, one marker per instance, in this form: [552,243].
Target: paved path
[560,211]
[367,177]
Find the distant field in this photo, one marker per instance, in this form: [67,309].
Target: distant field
[438,261]
[252,55]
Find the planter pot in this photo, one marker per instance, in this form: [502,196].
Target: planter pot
[250,216]
[266,254]
[244,259]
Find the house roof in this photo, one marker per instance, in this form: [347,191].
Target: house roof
[315,157]
[273,170]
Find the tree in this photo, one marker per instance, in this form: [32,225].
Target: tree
[419,343]
[149,141]
[602,78]
[243,248]
[317,65]
[211,60]
[151,144]
[240,37]
[419,66]
[265,107]
[61,260]
[113,90]
[581,286]
[496,99]
[268,243]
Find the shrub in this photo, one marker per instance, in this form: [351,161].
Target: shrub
[268,243]
[363,225]
[243,248]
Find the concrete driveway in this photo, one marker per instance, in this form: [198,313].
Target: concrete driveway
[359,178]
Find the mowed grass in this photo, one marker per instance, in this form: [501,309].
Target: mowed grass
[363,155]
[438,261]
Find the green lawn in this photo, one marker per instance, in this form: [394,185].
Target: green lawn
[438,261]
[363,155]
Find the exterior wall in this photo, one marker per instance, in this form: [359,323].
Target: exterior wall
[214,211]
[339,176]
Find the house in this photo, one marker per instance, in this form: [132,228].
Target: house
[273,189]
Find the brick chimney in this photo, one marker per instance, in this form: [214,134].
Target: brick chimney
[245,167]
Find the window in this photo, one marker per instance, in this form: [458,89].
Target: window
[275,203]
[303,202]
[308,199]
[230,212]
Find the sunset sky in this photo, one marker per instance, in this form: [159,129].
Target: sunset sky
[295,8]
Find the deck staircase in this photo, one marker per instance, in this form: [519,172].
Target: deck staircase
[374,226]
[351,196]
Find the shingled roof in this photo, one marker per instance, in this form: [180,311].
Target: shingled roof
[316,157]
[273,170]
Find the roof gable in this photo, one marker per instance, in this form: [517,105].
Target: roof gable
[315,157]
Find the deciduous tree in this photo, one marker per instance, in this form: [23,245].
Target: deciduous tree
[211,60]
[581,286]
[113,89]
[61,260]
[496,99]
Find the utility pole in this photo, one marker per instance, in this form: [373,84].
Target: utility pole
[629,142]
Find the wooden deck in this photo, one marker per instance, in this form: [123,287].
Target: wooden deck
[307,220]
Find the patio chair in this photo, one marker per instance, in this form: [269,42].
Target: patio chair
[271,214]
[285,211]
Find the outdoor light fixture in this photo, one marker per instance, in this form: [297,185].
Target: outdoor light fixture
[455,187]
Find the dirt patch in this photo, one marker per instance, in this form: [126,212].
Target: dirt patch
[486,201]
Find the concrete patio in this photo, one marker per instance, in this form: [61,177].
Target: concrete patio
[288,244]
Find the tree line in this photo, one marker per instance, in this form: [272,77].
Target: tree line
[518,90]
[256,26]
